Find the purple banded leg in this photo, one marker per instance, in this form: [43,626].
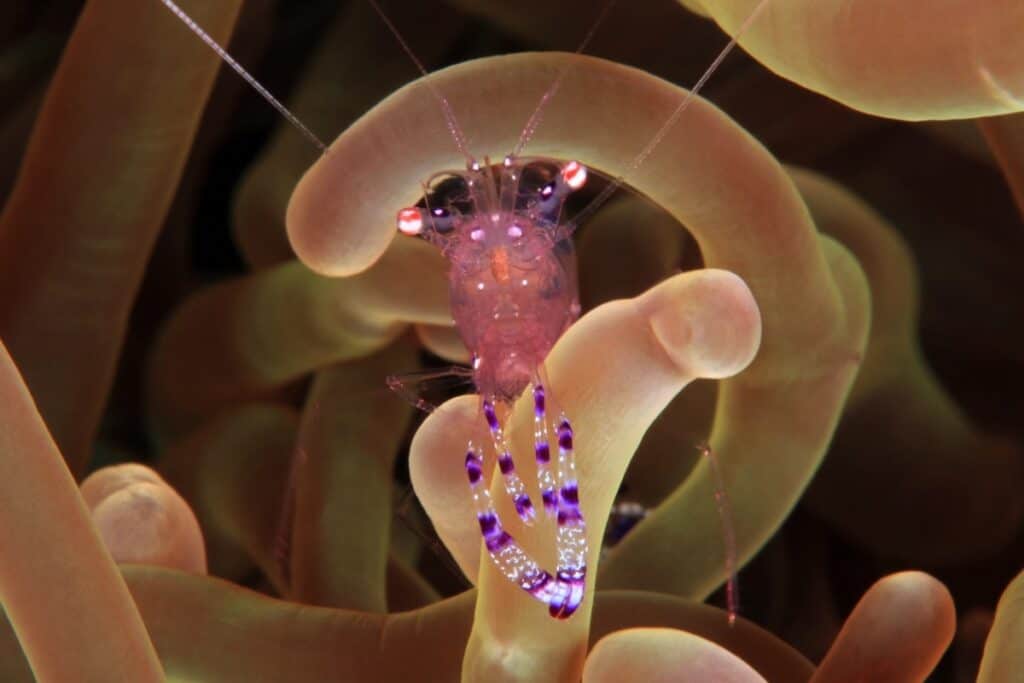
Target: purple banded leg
[510,559]
[572,531]
[542,451]
[514,485]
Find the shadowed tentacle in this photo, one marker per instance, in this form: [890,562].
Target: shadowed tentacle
[510,559]
[542,451]
[514,485]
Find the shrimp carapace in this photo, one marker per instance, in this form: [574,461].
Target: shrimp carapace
[512,275]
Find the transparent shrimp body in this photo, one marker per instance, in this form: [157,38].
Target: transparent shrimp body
[512,280]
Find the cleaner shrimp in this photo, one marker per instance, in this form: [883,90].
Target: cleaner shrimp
[513,293]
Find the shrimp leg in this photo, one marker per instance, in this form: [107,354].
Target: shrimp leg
[572,531]
[542,451]
[510,559]
[514,485]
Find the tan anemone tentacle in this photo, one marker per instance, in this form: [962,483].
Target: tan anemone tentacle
[245,338]
[97,180]
[1005,137]
[232,471]
[904,443]
[1003,658]
[58,584]
[775,420]
[896,634]
[341,531]
[933,59]
[698,324]
[287,642]
[333,92]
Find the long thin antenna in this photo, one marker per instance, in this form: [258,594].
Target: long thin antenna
[246,76]
[534,121]
[446,107]
[683,105]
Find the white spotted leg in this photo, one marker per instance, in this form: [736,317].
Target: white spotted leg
[510,559]
[542,452]
[514,485]
[572,531]
[563,592]
[561,496]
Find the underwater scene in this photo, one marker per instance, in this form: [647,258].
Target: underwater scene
[511,341]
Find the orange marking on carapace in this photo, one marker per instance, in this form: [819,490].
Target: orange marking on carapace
[499,264]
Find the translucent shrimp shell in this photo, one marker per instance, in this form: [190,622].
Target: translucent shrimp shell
[512,274]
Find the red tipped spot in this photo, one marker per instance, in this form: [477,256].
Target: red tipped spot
[575,174]
[410,221]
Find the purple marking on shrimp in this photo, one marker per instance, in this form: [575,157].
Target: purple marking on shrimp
[488,523]
[505,463]
[568,516]
[524,506]
[543,452]
[492,418]
[572,584]
[498,541]
[565,435]
[473,469]
[571,494]
[537,585]
[538,400]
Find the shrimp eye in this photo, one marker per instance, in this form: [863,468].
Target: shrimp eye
[410,221]
[575,174]
[442,220]
[547,189]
